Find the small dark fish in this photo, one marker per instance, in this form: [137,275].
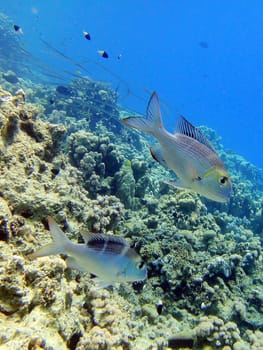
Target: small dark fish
[159,307]
[51,101]
[103,54]
[63,90]
[203,44]
[18,29]
[87,35]
[119,56]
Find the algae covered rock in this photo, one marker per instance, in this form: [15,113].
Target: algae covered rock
[150,311]
[96,158]
[213,331]
[5,216]
[124,183]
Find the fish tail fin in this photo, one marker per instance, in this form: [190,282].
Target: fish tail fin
[59,244]
[152,123]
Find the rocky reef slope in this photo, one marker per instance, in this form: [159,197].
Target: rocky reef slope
[75,162]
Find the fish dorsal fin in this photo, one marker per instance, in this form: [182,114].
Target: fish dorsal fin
[103,243]
[90,237]
[86,235]
[184,127]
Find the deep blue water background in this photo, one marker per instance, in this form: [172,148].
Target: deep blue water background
[219,85]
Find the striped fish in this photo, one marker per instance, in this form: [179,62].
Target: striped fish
[187,152]
[108,257]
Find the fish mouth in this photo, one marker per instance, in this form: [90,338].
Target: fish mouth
[219,197]
[143,275]
[223,200]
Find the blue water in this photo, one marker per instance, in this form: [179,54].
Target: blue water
[204,58]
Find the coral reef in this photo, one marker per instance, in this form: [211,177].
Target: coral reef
[67,155]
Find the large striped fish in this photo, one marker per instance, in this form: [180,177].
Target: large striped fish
[187,152]
[108,257]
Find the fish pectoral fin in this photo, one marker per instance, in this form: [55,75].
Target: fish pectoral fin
[177,184]
[194,175]
[157,154]
[100,284]
[73,264]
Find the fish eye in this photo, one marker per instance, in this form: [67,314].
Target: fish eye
[223,180]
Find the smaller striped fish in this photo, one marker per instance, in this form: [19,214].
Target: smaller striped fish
[108,257]
[187,152]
